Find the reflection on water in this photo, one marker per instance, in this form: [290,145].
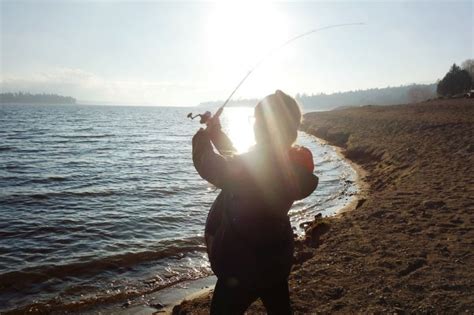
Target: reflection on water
[238,126]
[101,202]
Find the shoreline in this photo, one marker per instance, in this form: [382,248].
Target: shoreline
[204,295]
[363,186]
[168,298]
[406,247]
[360,181]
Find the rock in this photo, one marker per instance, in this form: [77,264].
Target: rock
[457,220]
[470,148]
[315,231]
[433,204]
[415,287]
[360,202]
[157,306]
[412,266]
[335,293]
[126,304]
[305,224]
[387,289]
[302,256]
[381,300]
[377,214]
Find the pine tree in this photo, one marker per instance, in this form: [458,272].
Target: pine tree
[454,82]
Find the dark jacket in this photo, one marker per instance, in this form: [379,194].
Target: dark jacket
[248,232]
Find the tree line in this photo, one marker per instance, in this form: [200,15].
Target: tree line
[28,98]
[376,96]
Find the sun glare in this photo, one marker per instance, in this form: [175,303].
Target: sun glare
[238,125]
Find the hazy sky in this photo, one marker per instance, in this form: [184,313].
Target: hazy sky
[183,53]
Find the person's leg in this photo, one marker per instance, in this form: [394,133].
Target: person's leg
[277,299]
[231,298]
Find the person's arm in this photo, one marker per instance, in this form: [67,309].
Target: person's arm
[305,184]
[304,181]
[210,165]
[220,140]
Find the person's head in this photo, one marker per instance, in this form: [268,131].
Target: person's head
[277,118]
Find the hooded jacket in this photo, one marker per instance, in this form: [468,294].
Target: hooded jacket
[248,233]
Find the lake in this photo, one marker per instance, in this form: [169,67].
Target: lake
[101,203]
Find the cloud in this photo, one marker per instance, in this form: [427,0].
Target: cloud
[89,86]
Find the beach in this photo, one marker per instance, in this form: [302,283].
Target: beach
[406,246]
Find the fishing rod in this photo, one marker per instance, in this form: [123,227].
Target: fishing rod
[207,115]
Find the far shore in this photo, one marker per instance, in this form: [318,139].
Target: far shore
[407,245]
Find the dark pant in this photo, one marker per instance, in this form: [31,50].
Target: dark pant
[230,297]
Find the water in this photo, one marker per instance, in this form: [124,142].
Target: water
[101,203]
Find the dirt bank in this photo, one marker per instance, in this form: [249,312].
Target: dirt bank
[409,245]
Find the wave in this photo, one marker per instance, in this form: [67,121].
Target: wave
[47,180]
[28,277]
[15,197]
[84,129]
[41,196]
[90,302]
[90,136]
[6,148]
[33,230]
[11,166]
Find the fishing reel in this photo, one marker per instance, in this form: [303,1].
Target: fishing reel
[207,115]
[204,117]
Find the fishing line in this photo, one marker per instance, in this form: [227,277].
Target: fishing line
[207,115]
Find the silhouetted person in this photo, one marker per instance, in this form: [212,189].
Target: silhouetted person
[248,233]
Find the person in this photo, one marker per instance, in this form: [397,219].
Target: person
[248,234]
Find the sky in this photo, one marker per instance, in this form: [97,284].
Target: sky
[183,53]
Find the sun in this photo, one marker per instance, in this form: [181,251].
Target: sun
[240,33]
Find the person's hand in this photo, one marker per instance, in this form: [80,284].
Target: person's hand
[213,124]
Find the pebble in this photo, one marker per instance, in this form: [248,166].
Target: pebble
[433,204]
[157,306]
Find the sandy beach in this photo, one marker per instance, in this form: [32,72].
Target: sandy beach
[407,245]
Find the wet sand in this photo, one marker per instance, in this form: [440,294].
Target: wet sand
[408,246]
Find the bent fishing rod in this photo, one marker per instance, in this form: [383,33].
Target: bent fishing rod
[204,118]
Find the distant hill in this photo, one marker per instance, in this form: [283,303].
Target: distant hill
[383,96]
[27,98]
